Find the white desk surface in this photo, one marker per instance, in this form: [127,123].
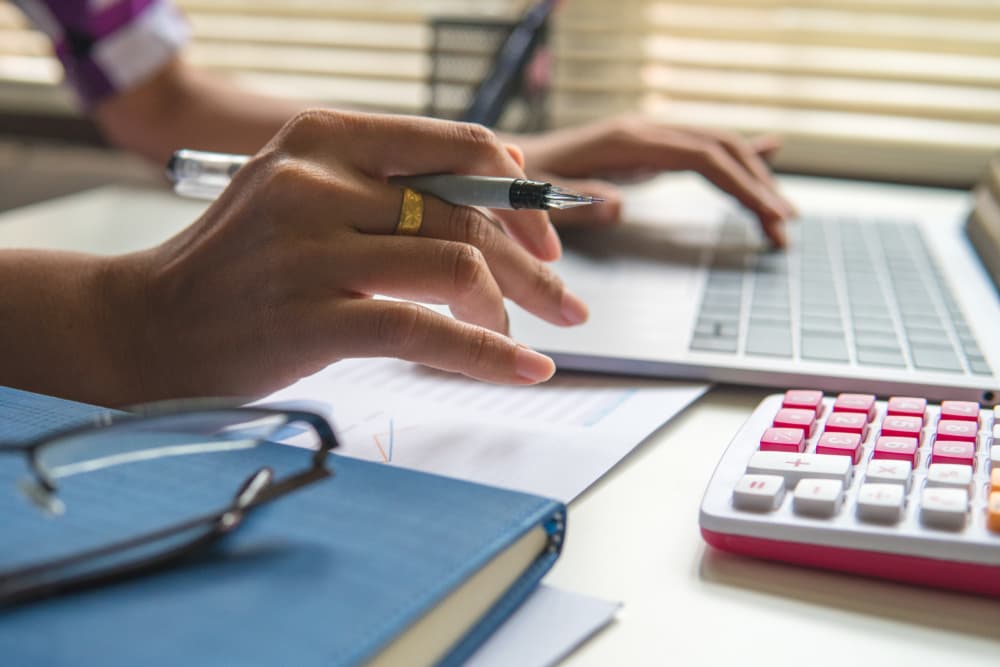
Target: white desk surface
[634,535]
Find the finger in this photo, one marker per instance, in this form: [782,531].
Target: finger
[766,145]
[715,164]
[741,151]
[747,155]
[383,145]
[374,328]
[521,277]
[516,153]
[427,270]
[524,279]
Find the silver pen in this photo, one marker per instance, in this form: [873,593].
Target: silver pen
[204,175]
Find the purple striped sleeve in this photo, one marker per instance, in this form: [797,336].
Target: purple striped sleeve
[107,46]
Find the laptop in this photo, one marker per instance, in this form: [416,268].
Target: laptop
[881,290]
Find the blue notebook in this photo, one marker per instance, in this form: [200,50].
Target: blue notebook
[376,565]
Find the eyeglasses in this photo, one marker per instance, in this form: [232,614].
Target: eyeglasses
[160,443]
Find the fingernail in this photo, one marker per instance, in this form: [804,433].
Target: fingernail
[573,309]
[532,366]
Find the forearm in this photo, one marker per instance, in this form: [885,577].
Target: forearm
[64,330]
[183,107]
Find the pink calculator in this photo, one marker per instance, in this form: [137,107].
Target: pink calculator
[901,489]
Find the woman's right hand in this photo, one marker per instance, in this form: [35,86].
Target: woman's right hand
[275,281]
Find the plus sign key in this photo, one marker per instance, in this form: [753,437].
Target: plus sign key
[794,467]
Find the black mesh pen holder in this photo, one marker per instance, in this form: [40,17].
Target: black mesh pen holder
[492,72]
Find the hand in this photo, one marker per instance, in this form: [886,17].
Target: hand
[633,146]
[274,281]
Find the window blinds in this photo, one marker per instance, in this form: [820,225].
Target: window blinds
[897,89]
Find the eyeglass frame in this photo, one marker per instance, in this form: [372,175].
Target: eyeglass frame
[255,491]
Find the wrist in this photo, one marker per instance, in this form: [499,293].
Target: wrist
[121,324]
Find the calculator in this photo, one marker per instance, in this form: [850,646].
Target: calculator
[900,489]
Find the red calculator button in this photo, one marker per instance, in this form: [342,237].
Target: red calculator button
[896,449]
[783,440]
[907,406]
[960,410]
[958,452]
[803,399]
[902,427]
[950,429]
[863,403]
[840,444]
[848,422]
[804,420]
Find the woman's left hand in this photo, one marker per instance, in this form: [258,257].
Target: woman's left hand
[627,147]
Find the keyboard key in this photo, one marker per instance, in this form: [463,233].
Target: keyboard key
[820,347]
[862,403]
[949,429]
[713,344]
[880,325]
[771,341]
[949,475]
[958,452]
[804,399]
[935,358]
[897,449]
[840,444]
[889,471]
[881,503]
[847,422]
[944,508]
[759,493]
[907,406]
[817,497]
[783,440]
[960,411]
[794,467]
[876,341]
[822,324]
[804,420]
[979,366]
[880,357]
[902,427]
[713,328]
[995,457]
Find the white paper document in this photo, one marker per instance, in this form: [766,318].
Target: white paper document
[554,439]
[545,629]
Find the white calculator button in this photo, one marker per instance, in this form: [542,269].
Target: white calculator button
[817,497]
[944,508]
[759,493]
[881,503]
[950,475]
[994,457]
[794,467]
[889,471]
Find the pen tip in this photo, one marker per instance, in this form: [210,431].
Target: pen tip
[561,198]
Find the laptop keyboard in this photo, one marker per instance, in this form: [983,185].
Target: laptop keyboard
[848,291]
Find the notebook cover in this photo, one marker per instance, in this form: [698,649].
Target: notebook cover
[325,576]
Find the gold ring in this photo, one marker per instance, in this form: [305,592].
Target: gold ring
[411,213]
